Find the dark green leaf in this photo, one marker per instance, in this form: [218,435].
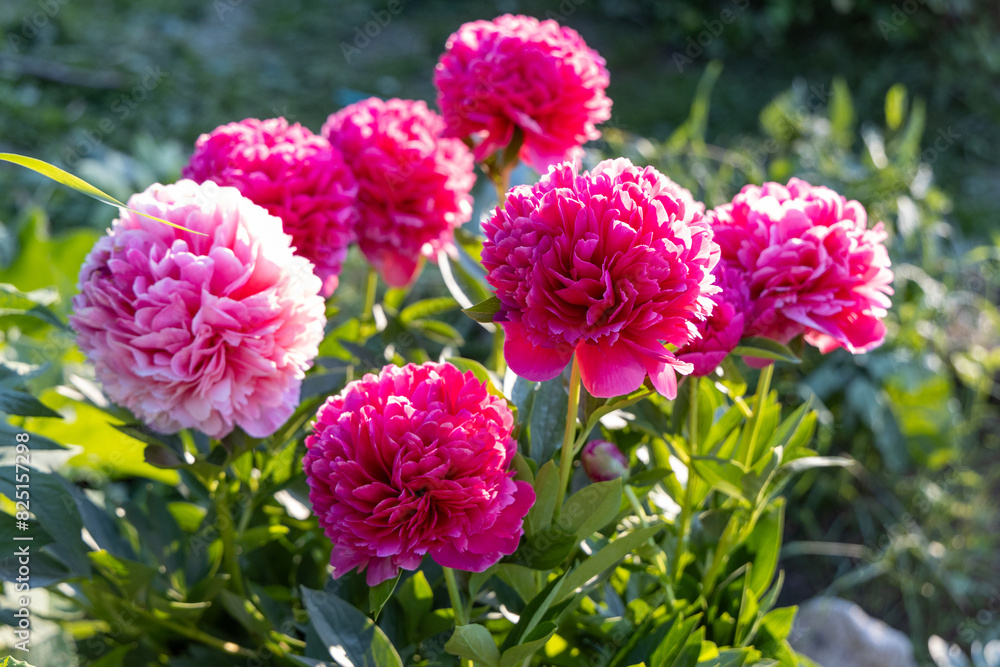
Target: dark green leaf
[591,508]
[536,639]
[18,403]
[474,642]
[426,308]
[349,637]
[484,310]
[380,594]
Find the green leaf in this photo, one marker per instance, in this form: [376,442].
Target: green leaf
[474,642]
[15,302]
[18,403]
[481,372]
[65,178]
[765,348]
[732,379]
[778,622]
[546,489]
[688,656]
[417,597]
[788,427]
[536,639]
[484,310]
[534,612]
[670,647]
[605,558]
[379,595]
[426,308]
[841,111]
[765,543]
[895,106]
[349,637]
[723,474]
[591,508]
[542,409]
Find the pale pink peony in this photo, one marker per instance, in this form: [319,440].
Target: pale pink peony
[612,265]
[295,175]
[197,331]
[415,461]
[723,329]
[812,266]
[603,461]
[519,72]
[414,185]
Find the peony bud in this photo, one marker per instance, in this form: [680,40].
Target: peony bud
[603,461]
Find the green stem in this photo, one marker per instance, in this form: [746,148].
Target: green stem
[567,452]
[763,387]
[228,535]
[199,636]
[453,595]
[684,525]
[371,288]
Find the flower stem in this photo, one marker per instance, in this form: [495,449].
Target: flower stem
[684,526]
[763,387]
[453,595]
[371,288]
[567,452]
[225,521]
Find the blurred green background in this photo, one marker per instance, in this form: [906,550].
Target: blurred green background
[896,104]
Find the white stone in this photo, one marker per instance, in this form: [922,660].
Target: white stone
[838,633]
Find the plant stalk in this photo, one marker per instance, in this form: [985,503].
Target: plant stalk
[454,596]
[567,453]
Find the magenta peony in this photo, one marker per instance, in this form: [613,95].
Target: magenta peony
[519,72]
[292,173]
[414,185]
[611,264]
[205,331]
[603,461]
[811,264]
[415,461]
[723,329]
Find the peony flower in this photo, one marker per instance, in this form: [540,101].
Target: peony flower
[292,173]
[609,265]
[208,331]
[519,72]
[723,329]
[414,186]
[603,461]
[812,265]
[414,461]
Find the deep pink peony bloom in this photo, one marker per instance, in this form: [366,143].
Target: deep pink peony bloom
[414,185]
[812,265]
[723,329]
[519,72]
[611,265]
[295,175]
[203,331]
[603,461]
[415,461]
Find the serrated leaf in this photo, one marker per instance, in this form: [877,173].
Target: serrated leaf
[474,642]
